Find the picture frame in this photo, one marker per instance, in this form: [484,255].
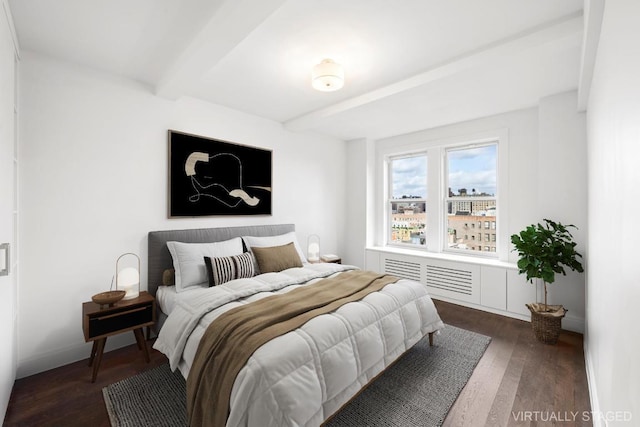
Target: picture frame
[210,177]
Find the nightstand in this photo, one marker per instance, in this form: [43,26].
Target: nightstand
[126,315]
[324,259]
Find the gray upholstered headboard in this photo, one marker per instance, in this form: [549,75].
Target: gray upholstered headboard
[160,258]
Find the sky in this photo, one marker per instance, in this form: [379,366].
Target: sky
[409,177]
[470,168]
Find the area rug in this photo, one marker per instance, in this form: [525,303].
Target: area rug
[418,390]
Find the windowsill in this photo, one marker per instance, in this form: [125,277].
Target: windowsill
[491,262]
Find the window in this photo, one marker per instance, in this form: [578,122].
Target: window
[442,196]
[470,183]
[408,200]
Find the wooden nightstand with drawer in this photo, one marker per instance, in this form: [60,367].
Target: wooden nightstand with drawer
[329,258]
[126,315]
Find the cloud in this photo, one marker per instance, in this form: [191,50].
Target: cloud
[484,181]
[473,168]
[409,177]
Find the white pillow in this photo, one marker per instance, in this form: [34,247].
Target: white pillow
[268,241]
[188,260]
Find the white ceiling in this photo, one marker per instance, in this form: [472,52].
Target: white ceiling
[409,64]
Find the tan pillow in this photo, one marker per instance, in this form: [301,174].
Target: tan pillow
[168,277]
[276,258]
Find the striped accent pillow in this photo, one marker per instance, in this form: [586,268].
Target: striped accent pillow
[225,269]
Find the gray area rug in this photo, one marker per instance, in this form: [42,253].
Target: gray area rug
[418,390]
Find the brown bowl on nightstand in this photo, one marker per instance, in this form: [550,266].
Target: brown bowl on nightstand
[109,297]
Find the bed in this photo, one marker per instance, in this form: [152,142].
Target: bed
[303,376]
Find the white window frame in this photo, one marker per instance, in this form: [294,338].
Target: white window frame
[407,145]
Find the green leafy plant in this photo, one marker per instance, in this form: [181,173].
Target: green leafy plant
[545,250]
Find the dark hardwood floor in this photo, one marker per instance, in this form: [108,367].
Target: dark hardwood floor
[518,381]
[66,396]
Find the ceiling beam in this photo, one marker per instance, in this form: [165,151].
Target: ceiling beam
[550,32]
[12,28]
[231,23]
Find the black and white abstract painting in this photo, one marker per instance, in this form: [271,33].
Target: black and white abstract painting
[212,177]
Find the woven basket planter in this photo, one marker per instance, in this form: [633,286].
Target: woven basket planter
[546,325]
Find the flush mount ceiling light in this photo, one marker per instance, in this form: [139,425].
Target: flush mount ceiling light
[327,76]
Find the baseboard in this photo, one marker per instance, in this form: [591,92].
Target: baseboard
[573,323]
[591,382]
[569,323]
[56,358]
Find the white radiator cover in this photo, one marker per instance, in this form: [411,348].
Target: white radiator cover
[403,268]
[443,278]
[484,285]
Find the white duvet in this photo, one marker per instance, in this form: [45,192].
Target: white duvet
[303,377]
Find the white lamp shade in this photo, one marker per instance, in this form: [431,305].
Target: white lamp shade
[129,281]
[327,76]
[314,252]
[313,248]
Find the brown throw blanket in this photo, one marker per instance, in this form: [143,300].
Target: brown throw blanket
[233,337]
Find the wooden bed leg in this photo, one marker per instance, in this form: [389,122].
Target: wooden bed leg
[431,339]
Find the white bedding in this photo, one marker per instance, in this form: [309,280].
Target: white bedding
[166,298]
[304,376]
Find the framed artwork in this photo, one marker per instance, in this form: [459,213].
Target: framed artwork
[213,177]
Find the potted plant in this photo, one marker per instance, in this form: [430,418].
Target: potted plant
[544,250]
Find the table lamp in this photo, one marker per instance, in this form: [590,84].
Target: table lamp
[313,248]
[128,279]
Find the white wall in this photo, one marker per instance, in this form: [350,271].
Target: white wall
[356,202]
[546,177]
[360,200]
[94,183]
[562,186]
[613,286]
[7,209]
